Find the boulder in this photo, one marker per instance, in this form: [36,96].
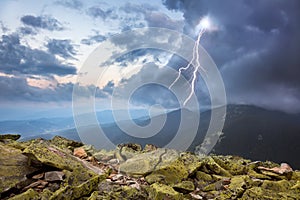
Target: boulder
[159,191]
[9,137]
[65,143]
[47,154]
[184,187]
[80,152]
[54,176]
[144,163]
[14,167]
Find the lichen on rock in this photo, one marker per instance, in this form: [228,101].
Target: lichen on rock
[55,169]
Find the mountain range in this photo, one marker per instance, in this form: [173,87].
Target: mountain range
[249,131]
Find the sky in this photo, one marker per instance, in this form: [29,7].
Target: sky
[44,44]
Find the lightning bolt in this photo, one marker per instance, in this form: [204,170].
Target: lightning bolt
[197,66]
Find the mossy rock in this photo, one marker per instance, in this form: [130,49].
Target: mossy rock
[276,176]
[77,176]
[203,176]
[254,174]
[296,175]
[279,186]
[233,164]
[108,190]
[104,155]
[89,149]
[75,192]
[296,187]
[145,163]
[93,196]
[46,194]
[237,186]
[127,151]
[191,162]
[18,145]
[13,168]
[216,186]
[209,165]
[170,174]
[184,187]
[262,193]
[9,137]
[159,191]
[30,194]
[64,143]
[47,154]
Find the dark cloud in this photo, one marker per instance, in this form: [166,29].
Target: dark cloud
[256,47]
[18,89]
[63,48]
[16,58]
[132,16]
[148,94]
[73,4]
[3,28]
[158,19]
[109,87]
[27,31]
[138,8]
[149,14]
[93,39]
[133,56]
[42,22]
[98,12]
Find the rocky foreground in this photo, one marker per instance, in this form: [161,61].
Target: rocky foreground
[65,169]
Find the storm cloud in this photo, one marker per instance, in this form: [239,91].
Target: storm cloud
[16,58]
[18,89]
[63,48]
[256,48]
[93,39]
[42,22]
[73,4]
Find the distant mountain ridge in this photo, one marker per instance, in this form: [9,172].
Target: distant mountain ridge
[48,126]
[249,131]
[261,134]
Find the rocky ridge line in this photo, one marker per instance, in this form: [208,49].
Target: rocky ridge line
[63,169]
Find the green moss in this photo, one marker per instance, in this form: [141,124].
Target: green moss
[279,186]
[203,176]
[212,187]
[184,187]
[161,192]
[104,154]
[277,176]
[78,176]
[233,164]
[254,174]
[144,163]
[212,166]
[260,193]
[18,145]
[13,167]
[94,196]
[296,175]
[50,155]
[28,195]
[74,192]
[170,174]
[237,185]
[64,143]
[296,186]
[46,194]
[191,162]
